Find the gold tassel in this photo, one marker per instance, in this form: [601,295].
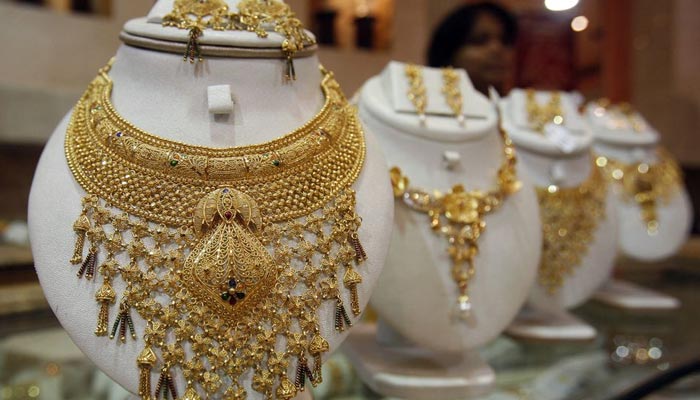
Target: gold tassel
[105,296]
[303,372]
[318,346]
[341,316]
[165,385]
[123,320]
[145,361]
[81,226]
[360,254]
[351,280]
[88,266]
[161,384]
[193,50]
[290,73]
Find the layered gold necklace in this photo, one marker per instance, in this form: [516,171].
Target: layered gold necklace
[645,184]
[458,216]
[227,254]
[570,217]
[540,115]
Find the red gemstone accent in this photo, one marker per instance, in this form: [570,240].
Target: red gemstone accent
[228,214]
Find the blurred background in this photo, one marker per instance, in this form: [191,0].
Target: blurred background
[641,51]
[645,52]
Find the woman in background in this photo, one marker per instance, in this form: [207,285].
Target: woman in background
[479,38]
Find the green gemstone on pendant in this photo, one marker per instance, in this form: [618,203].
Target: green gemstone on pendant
[276,163]
[173,163]
[225,296]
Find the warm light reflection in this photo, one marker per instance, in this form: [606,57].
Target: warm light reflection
[579,23]
[560,5]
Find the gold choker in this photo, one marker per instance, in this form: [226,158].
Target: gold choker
[645,184]
[228,254]
[570,217]
[458,215]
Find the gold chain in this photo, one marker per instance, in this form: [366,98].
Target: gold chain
[453,93]
[231,252]
[570,217]
[539,115]
[416,90]
[645,184]
[458,215]
[252,16]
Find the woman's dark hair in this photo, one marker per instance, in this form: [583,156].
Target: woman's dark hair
[455,31]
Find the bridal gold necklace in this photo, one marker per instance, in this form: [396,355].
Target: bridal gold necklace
[570,216]
[229,255]
[645,184]
[459,216]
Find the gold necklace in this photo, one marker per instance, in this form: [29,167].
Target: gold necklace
[252,16]
[458,215]
[231,251]
[539,115]
[416,90]
[622,115]
[570,217]
[645,184]
[452,93]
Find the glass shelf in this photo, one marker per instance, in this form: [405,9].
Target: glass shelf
[38,359]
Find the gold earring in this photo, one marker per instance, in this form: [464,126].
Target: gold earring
[541,115]
[252,16]
[452,93]
[416,90]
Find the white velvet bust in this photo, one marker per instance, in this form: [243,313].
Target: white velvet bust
[159,93]
[617,139]
[416,295]
[549,162]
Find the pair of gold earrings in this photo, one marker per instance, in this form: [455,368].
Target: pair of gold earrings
[540,115]
[451,91]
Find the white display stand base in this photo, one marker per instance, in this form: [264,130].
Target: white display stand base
[626,295]
[549,325]
[404,371]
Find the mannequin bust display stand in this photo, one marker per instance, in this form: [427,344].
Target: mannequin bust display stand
[420,350]
[627,138]
[555,159]
[159,93]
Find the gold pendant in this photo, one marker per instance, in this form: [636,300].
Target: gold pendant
[228,269]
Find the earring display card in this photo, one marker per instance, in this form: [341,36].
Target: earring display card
[396,86]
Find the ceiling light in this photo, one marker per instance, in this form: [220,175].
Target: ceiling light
[560,5]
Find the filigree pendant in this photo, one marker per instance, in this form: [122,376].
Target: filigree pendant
[229,269]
